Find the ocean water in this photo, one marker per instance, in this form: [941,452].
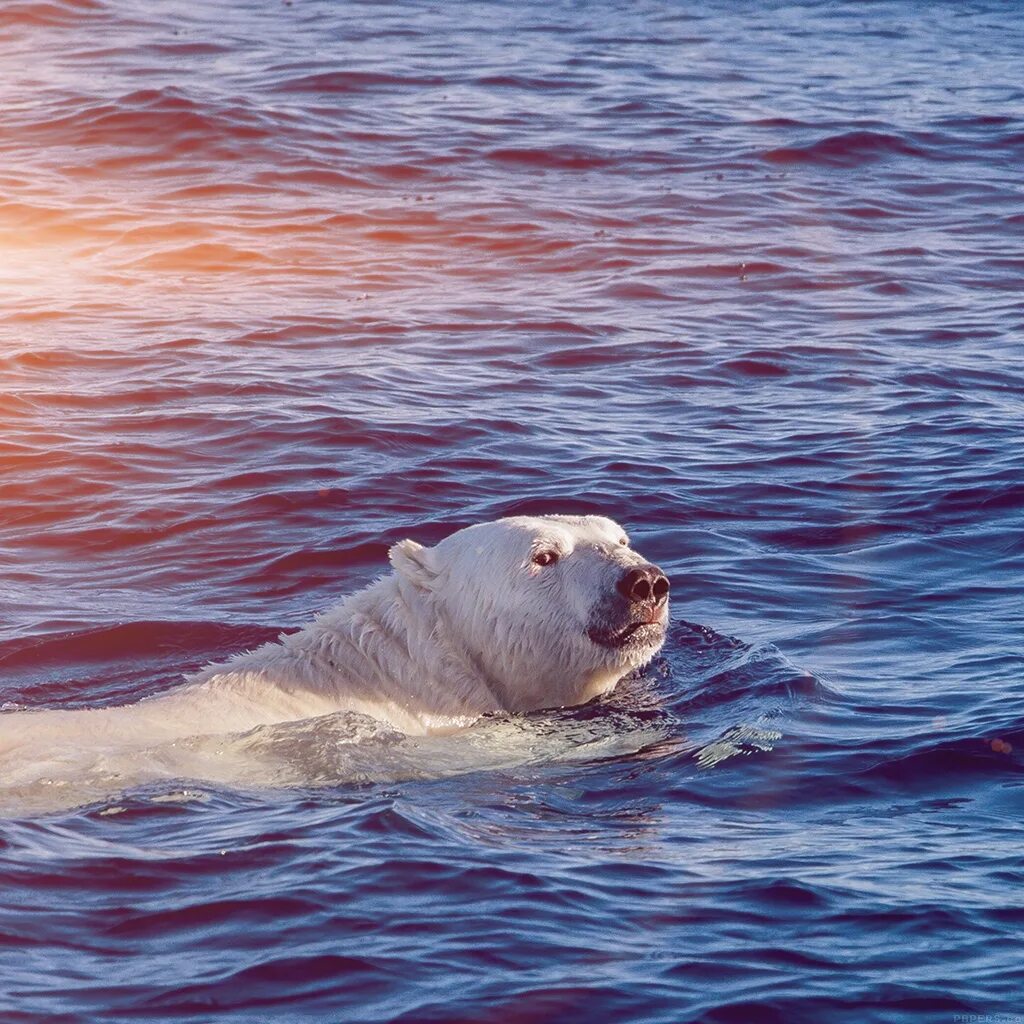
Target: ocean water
[284,282]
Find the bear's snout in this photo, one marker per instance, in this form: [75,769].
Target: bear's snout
[645,584]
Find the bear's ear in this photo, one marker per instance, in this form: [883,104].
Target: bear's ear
[412,561]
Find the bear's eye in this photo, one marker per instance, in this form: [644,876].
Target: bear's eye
[624,541]
[545,558]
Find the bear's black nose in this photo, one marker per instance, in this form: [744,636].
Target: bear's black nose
[644,584]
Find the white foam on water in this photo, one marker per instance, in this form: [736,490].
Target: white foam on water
[343,748]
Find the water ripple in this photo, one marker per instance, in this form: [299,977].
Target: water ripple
[284,283]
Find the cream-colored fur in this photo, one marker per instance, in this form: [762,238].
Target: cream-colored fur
[468,627]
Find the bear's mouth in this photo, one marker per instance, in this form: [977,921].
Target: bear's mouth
[634,634]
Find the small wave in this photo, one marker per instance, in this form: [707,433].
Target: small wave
[554,158]
[209,916]
[203,257]
[1012,140]
[590,355]
[779,122]
[50,359]
[562,83]
[976,121]
[258,986]
[867,211]
[165,120]
[205,48]
[635,291]
[739,270]
[352,82]
[965,504]
[841,536]
[757,365]
[318,177]
[939,765]
[50,12]
[360,554]
[126,641]
[848,149]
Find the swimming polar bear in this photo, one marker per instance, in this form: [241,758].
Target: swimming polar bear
[515,615]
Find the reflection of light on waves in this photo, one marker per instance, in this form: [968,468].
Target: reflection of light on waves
[35,279]
[37,275]
[52,256]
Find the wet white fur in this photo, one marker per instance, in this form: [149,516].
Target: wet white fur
[467,627]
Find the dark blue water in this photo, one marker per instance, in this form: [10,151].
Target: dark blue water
[285,282]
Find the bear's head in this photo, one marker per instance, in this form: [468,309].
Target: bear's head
[551,610]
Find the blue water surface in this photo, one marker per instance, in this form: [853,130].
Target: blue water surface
[285,282]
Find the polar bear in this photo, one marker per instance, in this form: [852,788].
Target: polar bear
[515,615]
